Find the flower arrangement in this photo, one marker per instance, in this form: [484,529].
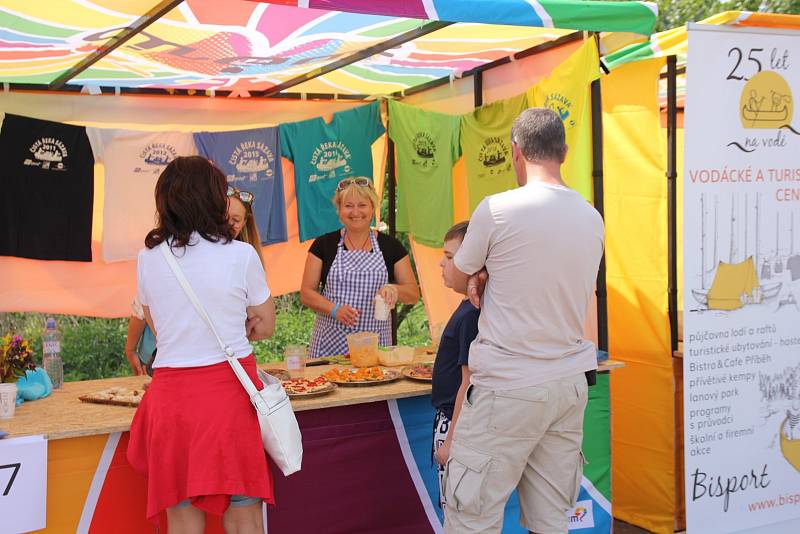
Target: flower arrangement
[16,357]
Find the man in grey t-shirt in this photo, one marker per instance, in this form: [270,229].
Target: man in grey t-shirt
[521,423]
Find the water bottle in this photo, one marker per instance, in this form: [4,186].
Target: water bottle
[51,357]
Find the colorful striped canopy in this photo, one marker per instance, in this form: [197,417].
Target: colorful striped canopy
[590,15]
[675,41]
[241,45]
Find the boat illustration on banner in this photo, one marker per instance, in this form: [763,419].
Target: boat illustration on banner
[751,275]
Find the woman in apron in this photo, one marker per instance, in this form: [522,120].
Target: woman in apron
[347,268]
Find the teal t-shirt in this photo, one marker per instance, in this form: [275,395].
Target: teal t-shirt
[325,153]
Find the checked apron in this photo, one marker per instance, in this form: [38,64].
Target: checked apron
[354,279]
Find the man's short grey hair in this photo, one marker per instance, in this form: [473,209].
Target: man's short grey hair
[539,133]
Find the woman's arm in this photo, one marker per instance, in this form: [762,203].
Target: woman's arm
[311,297]
[404,283]
[135,330]
[443,452]
[261,320]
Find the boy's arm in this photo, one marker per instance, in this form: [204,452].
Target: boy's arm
[443,452]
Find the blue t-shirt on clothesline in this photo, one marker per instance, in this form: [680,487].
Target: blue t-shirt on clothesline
[325,153]
[251,160]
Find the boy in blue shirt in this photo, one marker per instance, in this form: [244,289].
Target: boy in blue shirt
[450,370]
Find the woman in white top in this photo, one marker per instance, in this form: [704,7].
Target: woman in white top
[195,435]
[242,220]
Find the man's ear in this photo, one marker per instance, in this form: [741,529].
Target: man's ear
[564,154]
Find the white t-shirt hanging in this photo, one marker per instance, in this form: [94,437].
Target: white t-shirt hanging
[133,161]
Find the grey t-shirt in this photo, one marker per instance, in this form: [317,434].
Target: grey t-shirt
[541,245]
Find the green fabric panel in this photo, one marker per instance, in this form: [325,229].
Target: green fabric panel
[597,436]
[633,17]
[22,25]
[390,30]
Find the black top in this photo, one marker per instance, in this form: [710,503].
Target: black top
[46,190]
[324,247]
[453,352]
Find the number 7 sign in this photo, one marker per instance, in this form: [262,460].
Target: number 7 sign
[23,484]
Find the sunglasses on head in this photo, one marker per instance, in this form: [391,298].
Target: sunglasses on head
[347,182]
[245,196]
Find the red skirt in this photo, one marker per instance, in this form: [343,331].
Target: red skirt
[196,436]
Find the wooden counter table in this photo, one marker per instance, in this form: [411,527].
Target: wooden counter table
[355,439]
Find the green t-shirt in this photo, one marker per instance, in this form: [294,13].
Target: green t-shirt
[486,144]
[426,144]
[325,153]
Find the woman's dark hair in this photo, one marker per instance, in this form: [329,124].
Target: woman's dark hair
[190,197]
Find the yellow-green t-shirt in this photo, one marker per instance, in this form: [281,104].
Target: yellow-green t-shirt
[426,145]
[486,145]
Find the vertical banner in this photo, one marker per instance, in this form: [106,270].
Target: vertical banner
[742,279]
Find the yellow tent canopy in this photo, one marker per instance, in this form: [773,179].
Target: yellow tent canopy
[731,283]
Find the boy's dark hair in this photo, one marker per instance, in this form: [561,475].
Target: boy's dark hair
[457,231]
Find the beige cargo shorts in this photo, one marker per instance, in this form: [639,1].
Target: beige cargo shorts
[528,439]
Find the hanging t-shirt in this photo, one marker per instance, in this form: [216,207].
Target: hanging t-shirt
[325,153]
[251,161]
[566,90]
[46,190]
[427,146]
[486,144]
[133,162]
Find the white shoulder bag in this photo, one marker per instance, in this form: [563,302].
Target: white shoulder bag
[280,432]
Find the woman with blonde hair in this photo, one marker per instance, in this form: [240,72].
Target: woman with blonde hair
[345,270]
[242,220]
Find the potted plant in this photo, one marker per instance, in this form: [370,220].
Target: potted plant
[16,357]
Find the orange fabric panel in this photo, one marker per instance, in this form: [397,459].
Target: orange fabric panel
[642,395]
[106,290]
[440,302]
[71,464]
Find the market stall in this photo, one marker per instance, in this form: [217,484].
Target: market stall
[354,58]
[367,462]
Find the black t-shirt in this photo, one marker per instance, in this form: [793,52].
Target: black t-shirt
[324,247]
[453,352]
[46,190]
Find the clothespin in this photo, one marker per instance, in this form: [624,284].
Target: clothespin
[91,90]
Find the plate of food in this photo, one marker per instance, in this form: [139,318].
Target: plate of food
[280,374]
[361,376]
[117,396]
[307,387]
[421,371]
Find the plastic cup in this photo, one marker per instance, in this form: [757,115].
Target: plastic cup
[295,358]
[8,400]
[382,310]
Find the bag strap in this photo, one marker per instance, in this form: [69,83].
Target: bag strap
[238,370]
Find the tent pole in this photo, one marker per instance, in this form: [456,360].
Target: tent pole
[477,88]
[391,216]
[125,35]
[672,189]
[597,179]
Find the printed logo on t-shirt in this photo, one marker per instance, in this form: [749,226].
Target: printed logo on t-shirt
[251,159]
[495,156]
[156,156]
[425,147]
[561,105]
[330,160]
[48,154]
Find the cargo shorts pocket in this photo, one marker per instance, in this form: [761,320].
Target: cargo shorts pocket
[465,479]
[519,413]
[579,463]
